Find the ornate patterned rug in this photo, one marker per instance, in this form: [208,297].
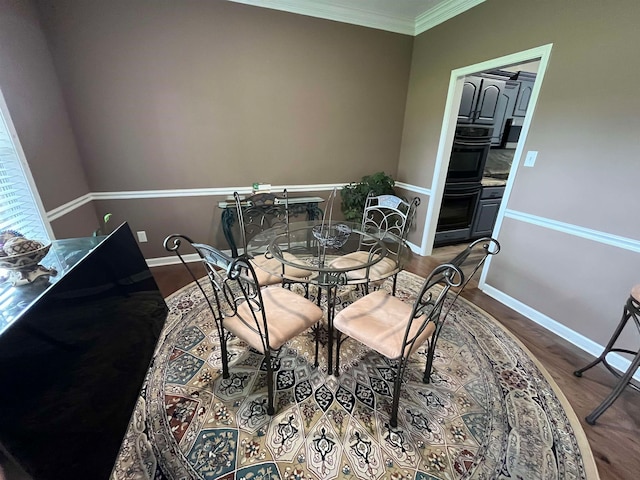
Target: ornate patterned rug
[491,412]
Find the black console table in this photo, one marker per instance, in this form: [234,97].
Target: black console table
[297,206]
[74,352]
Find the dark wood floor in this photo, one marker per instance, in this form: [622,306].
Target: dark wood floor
[612,439]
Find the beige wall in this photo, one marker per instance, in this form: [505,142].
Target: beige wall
[585,128]
[30,86]
[212,93]
[209,94]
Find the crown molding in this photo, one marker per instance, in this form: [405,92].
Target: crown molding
[368,18]
[442,12]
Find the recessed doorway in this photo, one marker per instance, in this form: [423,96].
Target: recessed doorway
[501,166]
[493,106]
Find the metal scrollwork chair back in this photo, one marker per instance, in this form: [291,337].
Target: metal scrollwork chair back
[260,212]
[392,217]
[256,214]
[396,329]
[265,318]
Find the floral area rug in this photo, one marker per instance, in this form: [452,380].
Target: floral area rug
[490,412]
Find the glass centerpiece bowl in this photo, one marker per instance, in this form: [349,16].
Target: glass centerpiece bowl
[332,236]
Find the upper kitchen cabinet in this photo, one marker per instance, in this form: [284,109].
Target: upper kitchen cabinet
[491,98]
[526,81]
[480,97]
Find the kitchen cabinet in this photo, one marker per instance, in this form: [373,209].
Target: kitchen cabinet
[523,98]
[480,97]
[489,101]
[486,213]
[504,110]
[525,81]
[494,97]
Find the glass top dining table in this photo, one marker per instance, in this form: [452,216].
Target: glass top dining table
[312,246]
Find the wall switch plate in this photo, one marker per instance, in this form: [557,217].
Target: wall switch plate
[142,236]
[530,159]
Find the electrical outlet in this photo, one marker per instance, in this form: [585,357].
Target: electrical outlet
[142,236]
[530,159]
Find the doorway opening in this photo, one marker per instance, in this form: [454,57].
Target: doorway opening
[487,117]
[494,103]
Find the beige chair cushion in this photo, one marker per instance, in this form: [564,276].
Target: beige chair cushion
[264,267]
[288,314]
[378,271]
[635,292]
[379,321]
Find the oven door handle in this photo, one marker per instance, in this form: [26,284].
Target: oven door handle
[468,193]
[481,143]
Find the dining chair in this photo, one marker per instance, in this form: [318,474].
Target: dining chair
[390,217]
[256,214]
[265,318]
[396,329]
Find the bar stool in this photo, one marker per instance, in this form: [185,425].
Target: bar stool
[631,310]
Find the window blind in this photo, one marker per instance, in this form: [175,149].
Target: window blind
[18,207]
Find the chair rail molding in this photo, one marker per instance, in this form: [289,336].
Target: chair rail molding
[200,192]
[576,230]
[181,192]
[69,207]
[413,188]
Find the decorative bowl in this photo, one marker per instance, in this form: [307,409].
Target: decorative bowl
[24,261]
[332,236]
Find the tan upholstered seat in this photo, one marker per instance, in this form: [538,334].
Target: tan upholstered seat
[379,320]
[635,292]
[263,266]
[288,315]
[377,272]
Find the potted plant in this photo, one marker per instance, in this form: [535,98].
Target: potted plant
[355,194]
[102,229]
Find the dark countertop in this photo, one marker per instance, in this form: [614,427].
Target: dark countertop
[499,162]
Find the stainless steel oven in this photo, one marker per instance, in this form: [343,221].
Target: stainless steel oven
[459,203]
[469,153]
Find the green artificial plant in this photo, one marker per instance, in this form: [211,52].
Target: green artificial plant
[102,230]
[355,194]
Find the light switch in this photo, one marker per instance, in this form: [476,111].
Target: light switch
[142,236]
[530,159]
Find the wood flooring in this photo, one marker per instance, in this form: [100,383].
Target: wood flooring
[612,439]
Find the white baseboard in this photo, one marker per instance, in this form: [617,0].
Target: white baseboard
[414,248]
[616,360]
[171,260]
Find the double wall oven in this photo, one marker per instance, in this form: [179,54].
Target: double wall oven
[463,186]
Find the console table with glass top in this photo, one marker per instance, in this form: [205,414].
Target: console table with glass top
[297,206]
